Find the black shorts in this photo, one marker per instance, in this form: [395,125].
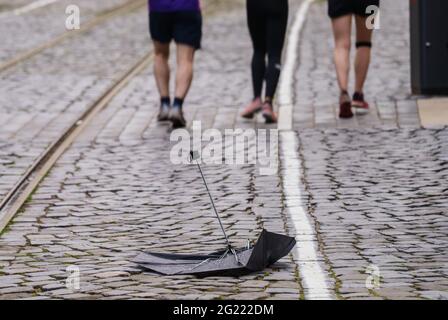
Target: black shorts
[184,27]
[339,8]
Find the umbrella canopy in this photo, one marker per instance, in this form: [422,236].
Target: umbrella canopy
[269,248]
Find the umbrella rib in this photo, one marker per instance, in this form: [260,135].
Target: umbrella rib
[197,265]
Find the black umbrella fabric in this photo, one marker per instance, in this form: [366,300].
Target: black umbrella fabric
[269,248]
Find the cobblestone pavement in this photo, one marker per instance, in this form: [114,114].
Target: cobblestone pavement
[375,195]
[42,96]
[378,198]
[115,193]
[61,83]
[388,83]
[44,23]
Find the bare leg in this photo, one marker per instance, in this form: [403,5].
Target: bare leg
[162,68]
[184,74]
[363,34]
[342,32]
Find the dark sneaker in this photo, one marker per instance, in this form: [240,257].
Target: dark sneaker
[359,102]
[345,106]
[251,109]
[176,116]
[163,113]
[268,113]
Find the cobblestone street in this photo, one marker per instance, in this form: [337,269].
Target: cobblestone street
[374,188]
[378,204]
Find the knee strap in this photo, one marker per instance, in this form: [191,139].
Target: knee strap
[367,44]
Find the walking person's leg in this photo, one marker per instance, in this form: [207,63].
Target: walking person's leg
[342,36]
[188,36]
[184,77]
[257,30]
[362,61]
[162,68]
[276,30]
[160,25]
[184,74]
[162,75]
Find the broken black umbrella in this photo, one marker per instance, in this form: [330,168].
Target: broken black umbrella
[269,248]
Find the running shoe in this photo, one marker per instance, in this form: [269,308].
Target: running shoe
[164,112]
[176,116]
[345,106]
[268,113]
[359,102]
[251,109]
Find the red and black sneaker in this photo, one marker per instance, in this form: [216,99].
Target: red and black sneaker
[359,103]
[268,113]
[252,108]
[345,106]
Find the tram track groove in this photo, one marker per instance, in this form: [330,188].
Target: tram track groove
[22,190]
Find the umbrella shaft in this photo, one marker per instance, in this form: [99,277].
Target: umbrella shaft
[213,204]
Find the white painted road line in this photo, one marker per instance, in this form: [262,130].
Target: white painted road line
[314,279]
[315,282]
[286,85]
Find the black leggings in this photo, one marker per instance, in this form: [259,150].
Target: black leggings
[267,20]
